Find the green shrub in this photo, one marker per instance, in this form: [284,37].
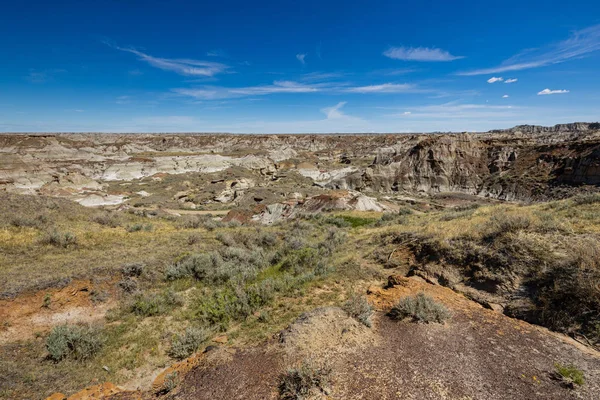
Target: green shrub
[193,239]
[420,308]
[128,285]
[226,239]
[47,300]
[585,199]
[218,309]
[73,341]
[106,219]
[59,239]
[194,266]
[26,222]
[302,260]
[183,346]
[569,374]
[304,382]
[148,305]
[171,382]
[359,308]
[191,222]
[338,221]
[133,269]
[567,296]
[139,227]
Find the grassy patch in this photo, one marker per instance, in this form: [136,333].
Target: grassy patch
[569,374]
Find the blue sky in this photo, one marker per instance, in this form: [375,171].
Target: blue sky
[291,66]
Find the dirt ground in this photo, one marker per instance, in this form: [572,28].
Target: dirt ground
[478,354]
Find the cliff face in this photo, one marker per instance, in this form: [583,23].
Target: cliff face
[523,163]
[524,167]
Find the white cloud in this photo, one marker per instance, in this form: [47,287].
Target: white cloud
[494,79]
[511,80]
[579,44]
[187,67]
[384,88]
[419,54]
[453,110]
[301,58]
[335,111]
[217,92]
[548,91]
[505,96]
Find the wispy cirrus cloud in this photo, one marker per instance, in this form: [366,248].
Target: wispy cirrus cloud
[511,80]
[548,91]
[430,54]
[284,86]
[453,110]
[495,79]
[181,66]
[385,88]
[218,92]
[301,57]
[335,111]
[579,44]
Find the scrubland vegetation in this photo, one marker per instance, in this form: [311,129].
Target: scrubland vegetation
[177,282]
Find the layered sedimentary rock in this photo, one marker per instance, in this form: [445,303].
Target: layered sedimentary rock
[522,163]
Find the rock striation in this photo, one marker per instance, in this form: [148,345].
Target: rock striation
[522,163]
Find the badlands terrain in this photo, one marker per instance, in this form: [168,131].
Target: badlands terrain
[215,266]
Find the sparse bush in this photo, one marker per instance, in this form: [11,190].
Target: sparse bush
[304,382]
[73,341]
[171,382]
[503,223]
[338,221]
[26,222]
[456,214]
[267,239]
[193,239]
[264,317]
[139,227]
[148,305]
[234,223]
[191,222]
[99,296]
[183,346]
[567,296]
[302,260]
[195,266]
[585,199]
[226,239]
[47,300]
[133,269]
[421,308]
[128,285]
[569,374]
[58,239]
[359,308]
[107,219]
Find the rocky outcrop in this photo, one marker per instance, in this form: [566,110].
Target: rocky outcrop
[522,163]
